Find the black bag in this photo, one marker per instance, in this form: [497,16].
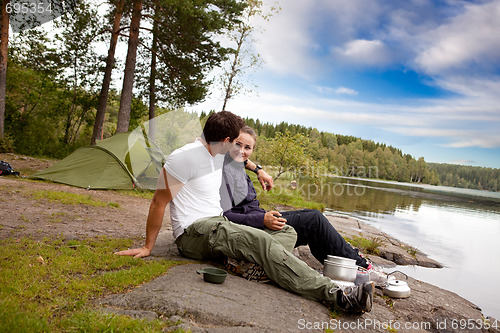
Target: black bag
[6,169]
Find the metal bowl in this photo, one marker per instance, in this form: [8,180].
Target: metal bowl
[213,275]
[340,272]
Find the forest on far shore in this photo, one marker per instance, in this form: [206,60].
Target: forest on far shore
[290,145]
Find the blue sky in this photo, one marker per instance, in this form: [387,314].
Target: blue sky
[423,76]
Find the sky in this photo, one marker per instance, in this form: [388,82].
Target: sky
[420,75]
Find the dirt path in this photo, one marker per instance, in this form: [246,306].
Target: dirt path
[24,213]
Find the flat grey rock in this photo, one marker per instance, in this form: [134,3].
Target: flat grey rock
[235,304]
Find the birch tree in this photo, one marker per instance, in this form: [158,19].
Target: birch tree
[242,58]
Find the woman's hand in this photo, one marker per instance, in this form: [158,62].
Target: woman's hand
[274,221]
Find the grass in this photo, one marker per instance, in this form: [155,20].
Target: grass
[412,250]
[281,196]
[138,193]
[71,198]
[46,286]
[389,301]
[369,245]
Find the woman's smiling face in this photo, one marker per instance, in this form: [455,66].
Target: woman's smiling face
[243,147]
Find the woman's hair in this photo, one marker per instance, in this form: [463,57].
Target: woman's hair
[221,125]
[248,130]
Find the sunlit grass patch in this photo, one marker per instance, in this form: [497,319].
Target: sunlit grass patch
[47,285]
[287,198]
[369,245]
[93,321]
[71,198]
[412,250]
[138,193]
[281,196]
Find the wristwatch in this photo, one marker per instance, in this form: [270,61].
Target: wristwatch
[257,168]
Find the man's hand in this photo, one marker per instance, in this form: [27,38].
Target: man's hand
[137,253]
[274,221]
[265,180]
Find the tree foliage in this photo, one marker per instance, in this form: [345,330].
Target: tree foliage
[179,48]
[57,98]
[285,151]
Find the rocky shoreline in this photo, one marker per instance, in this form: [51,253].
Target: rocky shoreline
[238,305]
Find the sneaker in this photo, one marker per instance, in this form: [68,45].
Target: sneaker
[255,272]
[357,299]
[248,270]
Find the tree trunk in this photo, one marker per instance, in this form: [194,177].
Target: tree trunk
[152,85]
[110,62]
[4,44]
[128,78]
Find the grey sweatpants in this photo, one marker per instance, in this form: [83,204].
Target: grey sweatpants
[213,237]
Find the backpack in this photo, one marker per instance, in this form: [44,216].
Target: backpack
[6,169]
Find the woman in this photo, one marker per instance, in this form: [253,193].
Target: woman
[240,205]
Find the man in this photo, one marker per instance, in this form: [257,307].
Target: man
[190,182]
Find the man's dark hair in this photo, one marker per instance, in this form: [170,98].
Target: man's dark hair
[221,125]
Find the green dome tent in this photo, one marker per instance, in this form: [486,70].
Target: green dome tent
[123,161]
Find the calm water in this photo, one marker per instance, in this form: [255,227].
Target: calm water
[458,228]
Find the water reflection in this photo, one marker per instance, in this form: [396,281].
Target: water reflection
[357,195]
[349,196]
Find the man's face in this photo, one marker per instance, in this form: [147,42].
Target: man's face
[224,146]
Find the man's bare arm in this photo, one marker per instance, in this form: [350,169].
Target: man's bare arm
[163,195]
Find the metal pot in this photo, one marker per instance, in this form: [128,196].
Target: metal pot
[213,275]
[336,271]
[341,260]
[397,289]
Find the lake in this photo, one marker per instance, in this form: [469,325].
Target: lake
[457,227]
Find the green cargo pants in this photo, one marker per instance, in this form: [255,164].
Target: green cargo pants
[287,236]
[213,237]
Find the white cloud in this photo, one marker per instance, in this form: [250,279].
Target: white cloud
[471,38]
[299,39]
[464,162]
[456,138]
[347,19]
[286,45]
[364,52]
[336,91]
[485,88]
[475,139]
[346,91]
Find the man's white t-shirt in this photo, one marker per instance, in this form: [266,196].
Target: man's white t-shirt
[201,174]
